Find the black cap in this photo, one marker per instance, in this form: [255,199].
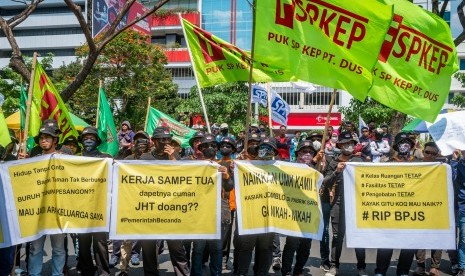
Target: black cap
[208,138]
[52,124]
[93,131]
[230,141]
[271,142]
[315,135]
[197,135]
[141,135]
[345,137]
[402,136]
[254,137]
[161,132]
[305,144]
[49,127]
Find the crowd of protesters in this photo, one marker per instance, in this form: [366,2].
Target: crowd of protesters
[345,144]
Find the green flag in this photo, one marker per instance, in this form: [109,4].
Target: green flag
[22,106]
[333,43]
[216,61]
[106,127]
[417,60]
[4,134]
[157,118]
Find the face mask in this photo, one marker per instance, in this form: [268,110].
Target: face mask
[404,148]
[317,145]
[89,144]
[160,146]
[334,139]
[265,153]
[224,131]
[347,149]
[305,158]
[252,150]
[226,151]
[209,153]
[141,147]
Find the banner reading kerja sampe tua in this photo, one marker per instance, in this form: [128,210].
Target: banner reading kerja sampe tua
[334,43]
[280,197]
[166,200]
[416,63]
[54,194]
[399,205]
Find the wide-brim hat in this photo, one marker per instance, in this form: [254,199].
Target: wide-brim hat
[345,137]
[46,130]
[304,144]
[230,141]
[90,130]
[270,142]
[402,136]
[161,132]
[197,135]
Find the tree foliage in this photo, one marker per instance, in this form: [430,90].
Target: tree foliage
[10,84]
[226,103]
[369,110]
[131,71]
[18,64]
[459,101]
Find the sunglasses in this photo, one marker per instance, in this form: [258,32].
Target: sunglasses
[209,145]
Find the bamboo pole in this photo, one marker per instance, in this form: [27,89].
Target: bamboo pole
[270,125]
[328,117]
[23,148]
[98,103]
[249,101]
[147,115]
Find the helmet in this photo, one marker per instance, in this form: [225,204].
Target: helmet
[91,130]
[230,141]
[161,132]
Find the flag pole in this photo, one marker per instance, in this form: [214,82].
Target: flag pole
[147,115]
[268,91]
[249,101]
[204,109]
[328,117]
[98,103]
[23,148]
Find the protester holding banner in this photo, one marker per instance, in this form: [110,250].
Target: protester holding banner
[430,153]
[458,175]
[224,132]
[305,153]
[227,148]
[130,250]
[402,146]
[209,148]
[97,241]
[263,243]
[162,150]
[335,183]
[72,143]
[47,140]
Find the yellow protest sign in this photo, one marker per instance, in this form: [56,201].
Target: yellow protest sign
[57,193]
[165,199]
[412,199]
[281,197]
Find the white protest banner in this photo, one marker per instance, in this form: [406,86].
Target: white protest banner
[399,205]
[276,196]
[447,131]
[165,200]
[55,193]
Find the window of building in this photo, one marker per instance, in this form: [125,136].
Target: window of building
[462,64]
[45,32]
